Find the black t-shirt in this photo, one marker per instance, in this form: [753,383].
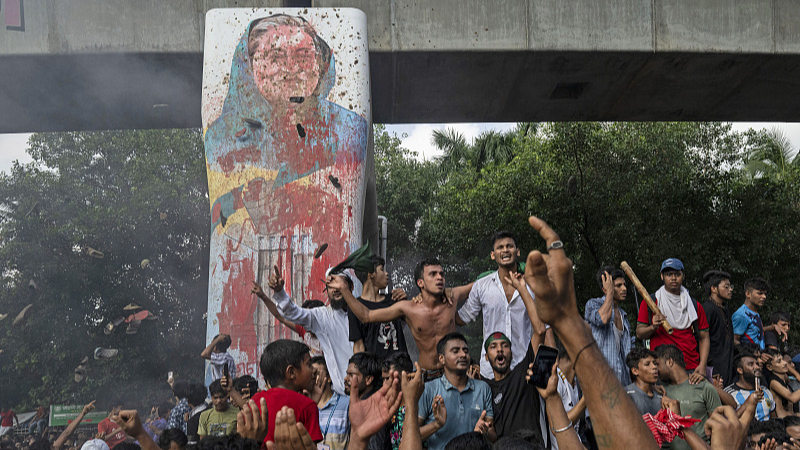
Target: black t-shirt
[382,339]
[515,403]
[193,424]
[771,340]
[720,332]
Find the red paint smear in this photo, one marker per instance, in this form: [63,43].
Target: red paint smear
[238,308]
[215,212]
[303,154]
[249,155]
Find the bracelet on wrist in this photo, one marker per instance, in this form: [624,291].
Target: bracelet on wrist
[561,430]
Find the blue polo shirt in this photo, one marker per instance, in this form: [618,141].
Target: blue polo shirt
[463,408]
[747,324]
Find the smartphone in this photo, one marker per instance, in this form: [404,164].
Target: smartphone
[169,376]
[543,365]
[758,383]
[225,371]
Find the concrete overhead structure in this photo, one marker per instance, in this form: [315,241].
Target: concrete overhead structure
[111,64]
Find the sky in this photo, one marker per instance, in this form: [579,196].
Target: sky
[13,146]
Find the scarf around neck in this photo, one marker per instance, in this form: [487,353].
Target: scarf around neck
[678,309]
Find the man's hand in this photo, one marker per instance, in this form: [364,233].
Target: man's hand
[337,282]
[276,282]
[671,404]
[515,280]
[129,422]
[483,426]
[657,320]
[552,382]
[399,295]
[89,407]
[550,277]
[368,416]
[225,382]
[256,289]
[698,375]
[289,434]
[782,331]
[439,411]
[608,284]
[252,423]
[412,388]
[727,431]
[474,372]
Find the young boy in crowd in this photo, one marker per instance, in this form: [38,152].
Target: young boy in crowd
[220,420]
[644,373]
[286,366]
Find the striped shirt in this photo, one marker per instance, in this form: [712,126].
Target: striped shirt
[614,349]
[334,422]
[764,407]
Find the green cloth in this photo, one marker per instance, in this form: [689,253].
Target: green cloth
[215,423]
[698,401]
[360,260]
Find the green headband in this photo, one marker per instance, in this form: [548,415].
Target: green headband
[496,336]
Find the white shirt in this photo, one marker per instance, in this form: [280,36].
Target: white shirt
[332,329]
[510,318]
[569,398]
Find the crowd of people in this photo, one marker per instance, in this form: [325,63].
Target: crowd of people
[691,375]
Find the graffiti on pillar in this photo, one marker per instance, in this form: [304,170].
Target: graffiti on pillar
[13,15]
[286,117]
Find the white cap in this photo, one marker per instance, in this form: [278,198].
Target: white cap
[95,444]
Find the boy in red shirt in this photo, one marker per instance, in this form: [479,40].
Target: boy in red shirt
[286,366]
[109,430]
[684,314]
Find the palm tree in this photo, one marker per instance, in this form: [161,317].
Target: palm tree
[774,157]
[489,147]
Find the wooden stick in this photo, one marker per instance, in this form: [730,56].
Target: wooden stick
[640,287]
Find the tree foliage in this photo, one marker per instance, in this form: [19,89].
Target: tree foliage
[638,192]
[132,195]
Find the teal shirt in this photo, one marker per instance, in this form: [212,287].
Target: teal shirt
[463,408]
[699,401]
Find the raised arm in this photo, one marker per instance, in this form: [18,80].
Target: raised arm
[617,422]
[288,309]
[73,425]
[130,423]
[604,313]
[539,327]
[364,314]
[412,391]
[206,353]
[271,307]
[566,436]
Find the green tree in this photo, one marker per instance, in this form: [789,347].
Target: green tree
[773,157]
[132,195]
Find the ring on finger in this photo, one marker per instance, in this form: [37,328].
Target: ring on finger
[556,245]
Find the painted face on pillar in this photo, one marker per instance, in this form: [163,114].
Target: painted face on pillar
[673,279]
[285,64]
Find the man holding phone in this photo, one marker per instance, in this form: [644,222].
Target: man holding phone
[746,365]
[514,402]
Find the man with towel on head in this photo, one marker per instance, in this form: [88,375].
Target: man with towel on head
[684,314]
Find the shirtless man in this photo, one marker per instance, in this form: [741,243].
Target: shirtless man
[430,316]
